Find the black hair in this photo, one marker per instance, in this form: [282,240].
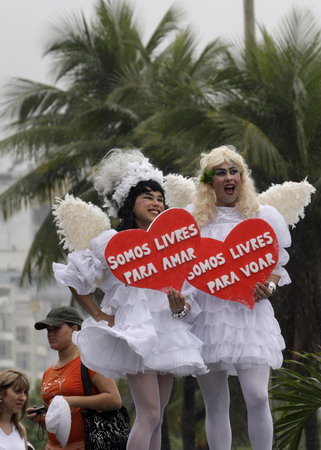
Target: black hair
[125,213]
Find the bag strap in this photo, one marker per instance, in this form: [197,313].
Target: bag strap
[85,378]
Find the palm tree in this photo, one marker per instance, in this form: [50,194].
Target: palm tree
[99,98]
[266,100]
[181,100]
[272,113]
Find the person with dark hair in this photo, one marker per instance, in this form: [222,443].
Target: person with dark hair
[128,220]
[137,332]
[14,390]
[64,378]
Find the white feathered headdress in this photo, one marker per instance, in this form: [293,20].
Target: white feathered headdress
[118,172]
[78,222]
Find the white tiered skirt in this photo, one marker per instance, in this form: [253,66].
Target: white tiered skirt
[235,336]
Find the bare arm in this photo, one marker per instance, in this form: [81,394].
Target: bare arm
[108,398]
[89,305]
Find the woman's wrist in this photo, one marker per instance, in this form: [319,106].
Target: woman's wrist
[180,314]
[272,287]
[106,317]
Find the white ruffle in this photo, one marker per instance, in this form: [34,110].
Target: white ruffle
[86,269]
[233,335]
[178,350]
[145,336]
[81,271]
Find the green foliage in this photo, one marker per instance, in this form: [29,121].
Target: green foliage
[32,429]
[298,390]
[177,416]
[104,70]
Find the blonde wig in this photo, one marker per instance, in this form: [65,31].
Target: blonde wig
[205,210]
[15,379]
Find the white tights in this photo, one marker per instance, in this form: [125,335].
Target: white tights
[215,391]
[150,393]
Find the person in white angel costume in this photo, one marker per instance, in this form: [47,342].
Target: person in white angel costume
[137,332]
[237,340]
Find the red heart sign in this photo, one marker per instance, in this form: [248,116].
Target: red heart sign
[230,269]
[158,258]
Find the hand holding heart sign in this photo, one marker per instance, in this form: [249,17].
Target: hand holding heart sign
[172,251]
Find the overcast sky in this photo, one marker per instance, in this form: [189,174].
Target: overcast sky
[25,25]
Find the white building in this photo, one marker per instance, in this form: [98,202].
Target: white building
[21,346]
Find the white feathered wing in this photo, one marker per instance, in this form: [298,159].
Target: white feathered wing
[289,198]
[78,222]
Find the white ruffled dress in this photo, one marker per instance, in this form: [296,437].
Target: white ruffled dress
[145,336]
[235,336]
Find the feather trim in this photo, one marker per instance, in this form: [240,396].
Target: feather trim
[179,191]
[78,222]
[289,198]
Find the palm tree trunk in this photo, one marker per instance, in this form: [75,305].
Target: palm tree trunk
[249,21]
[165,435]
[312,440]
[188,413]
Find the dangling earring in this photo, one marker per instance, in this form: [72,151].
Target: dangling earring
[0,400]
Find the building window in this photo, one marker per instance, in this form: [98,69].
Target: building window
[23,361]
[5,322]
[5,350]
[23,335]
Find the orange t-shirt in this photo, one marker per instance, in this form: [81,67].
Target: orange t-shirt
[66,381]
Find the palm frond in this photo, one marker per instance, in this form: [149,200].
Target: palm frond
[167,25]
[256,146]
[299,391]
[59,174]
[23,98]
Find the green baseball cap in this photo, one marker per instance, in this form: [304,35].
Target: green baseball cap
[60,315]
